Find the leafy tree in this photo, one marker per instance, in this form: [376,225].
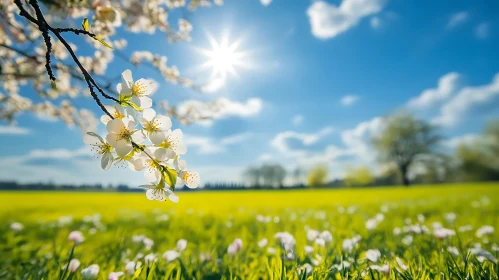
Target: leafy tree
[360,176]
[479,160]
[253,175]
[270,175]
[317,176]
[404,141]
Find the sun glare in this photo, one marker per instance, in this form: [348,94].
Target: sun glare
[223,57]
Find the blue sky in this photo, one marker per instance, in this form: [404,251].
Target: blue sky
[320,76]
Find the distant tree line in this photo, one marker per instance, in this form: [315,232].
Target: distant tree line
[407,148]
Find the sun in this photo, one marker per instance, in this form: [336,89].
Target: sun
[223,58]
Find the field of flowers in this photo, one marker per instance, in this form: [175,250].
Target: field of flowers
[431,232]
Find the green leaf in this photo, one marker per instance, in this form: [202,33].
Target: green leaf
[170,176]
[103,43]
[85,24]
[137,273]
[53,85]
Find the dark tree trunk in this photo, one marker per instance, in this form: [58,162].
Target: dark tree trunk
[403,172]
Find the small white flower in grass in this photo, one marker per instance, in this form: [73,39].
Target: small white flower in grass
[155,126]
[401,265]
[465,228]
[150,258]
[138,238]
[306,269]
[495,248]
[131,267]
[385,269]
[148,243]
[271,250]
[397,231]
[450,217]
[443,233]
[349,244]
[483,255]
[76,237]
[121,133]
[171,255]
[181,245]
[115,275]
[100,148]
[453,250]
[16,227]
[309,249]
[189,178]
[286,239]
[421,218]
[235,247]
[160,192]
[137,90]
[341,266]
[327,236]
[90,272]
[407,240]
[312,234]
[262,243]
[373,255]
[485,230]
[320,242]
[74,264]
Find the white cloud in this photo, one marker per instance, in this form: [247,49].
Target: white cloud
[328,20]
[280,141]
[375,22]
[214,85]
[482,31]
[58,153]
[348,100]
[457,19]
[463,139]
[265,157]
[464,100]
[297,120]
[358,139]
[220,109]
[447,85]
[265,2]
[14,130]
[207,145]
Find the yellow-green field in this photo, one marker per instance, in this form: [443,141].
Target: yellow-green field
[420,233]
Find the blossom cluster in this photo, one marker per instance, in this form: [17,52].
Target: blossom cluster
[143,140]
[23,53]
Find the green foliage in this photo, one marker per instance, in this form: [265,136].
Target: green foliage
[404,141]
[480,159]
[360,176]
[210,221]
[317,176]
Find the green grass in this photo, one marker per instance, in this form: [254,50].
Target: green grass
[210,221]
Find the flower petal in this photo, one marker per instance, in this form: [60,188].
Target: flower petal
[171,196]
[151,194]
[145,102]
[152,175]
[123,147]
[157,137]
[165,122]
[136,164]
[91,138]
[148,114]
[105,119]
[115,126]
[147,86]
[160,155]
[138,136]
[126,76]
[106,161]
[112,139]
